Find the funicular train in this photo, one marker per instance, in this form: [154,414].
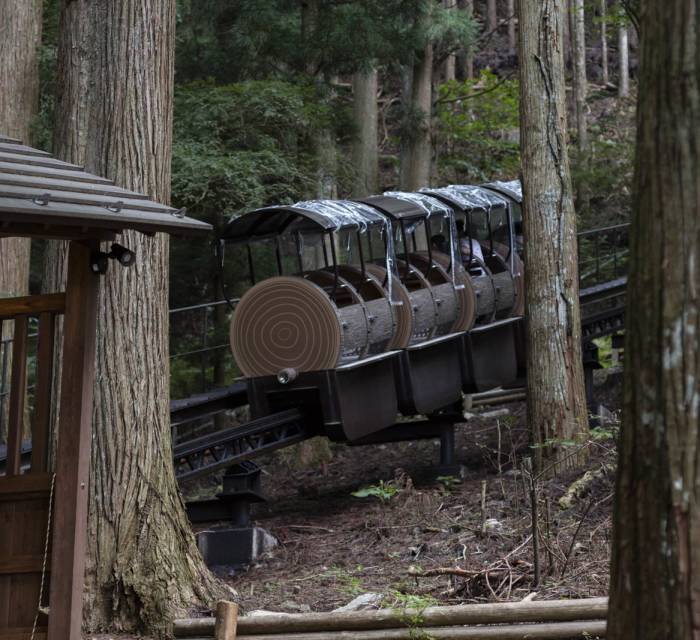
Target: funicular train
[361,311]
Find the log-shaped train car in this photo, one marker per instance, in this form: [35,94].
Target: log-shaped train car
[360,311]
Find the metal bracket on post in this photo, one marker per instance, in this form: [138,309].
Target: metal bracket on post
[448,464]
[240,542]
[591,362]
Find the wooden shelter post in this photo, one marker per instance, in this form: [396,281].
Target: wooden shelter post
[43,197]
[74,440]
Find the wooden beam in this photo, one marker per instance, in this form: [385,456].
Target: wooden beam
[32,305]
[22,634]
[29,486]
[54,232]
[18,392]
[43,389]
[22,564]
[74,440]
[226,620]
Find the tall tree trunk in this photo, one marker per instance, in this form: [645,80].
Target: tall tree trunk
[580,84]
[20,37]
[143,567]
[324,143]
[466,59]
[555,389]
[655,580]
[450,64]
[365,153]
[74,56]
[604,40]
[566,28]
[417,161]
[623,87]
[512,41]
[492,14]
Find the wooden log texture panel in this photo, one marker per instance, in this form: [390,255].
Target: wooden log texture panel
[381,324]
[447,307]
[424,313]
[24,504]
[485,297]
[505,293]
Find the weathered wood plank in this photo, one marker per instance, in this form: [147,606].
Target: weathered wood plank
[41,424]
[37,484]
[73,197]
[74,440]
[16,210]
[21,148]
[23,634]
[18,392]
[32,305]
[46,172]
[21,564]
[10,155]
[68,185]
[53,232]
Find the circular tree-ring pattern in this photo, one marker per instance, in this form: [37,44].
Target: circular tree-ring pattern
[285,323]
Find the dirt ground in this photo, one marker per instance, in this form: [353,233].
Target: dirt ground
[433,541]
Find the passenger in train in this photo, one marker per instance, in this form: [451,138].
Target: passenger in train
[468,250]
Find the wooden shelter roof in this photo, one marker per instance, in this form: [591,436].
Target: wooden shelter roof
[40,192]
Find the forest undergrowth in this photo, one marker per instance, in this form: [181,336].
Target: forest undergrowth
[418,540]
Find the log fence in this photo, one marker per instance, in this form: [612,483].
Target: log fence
[540,620]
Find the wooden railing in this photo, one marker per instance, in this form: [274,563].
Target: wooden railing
[26,490]
[20,311]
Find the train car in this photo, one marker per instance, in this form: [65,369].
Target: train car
[318,327]
[484,223]
[358,311]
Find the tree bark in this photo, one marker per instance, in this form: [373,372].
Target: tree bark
[417,161]
[512,41]
[365,153]
[466,59]
[655,581]
[324,143]
[20,37]
[450,64]
[144,568]
[580,84]
[623,86]
[555,389]
[604,40]
[492,14]
[566,28]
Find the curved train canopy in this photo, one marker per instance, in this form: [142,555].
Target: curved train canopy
[310,215]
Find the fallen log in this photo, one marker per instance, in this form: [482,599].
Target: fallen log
[492,613]
[537,631]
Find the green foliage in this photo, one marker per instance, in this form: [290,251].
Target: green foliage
[608,432]
[385,491]
[448,482]
[236,147]
[42,123]
[411,601]
[478,121]
[270,39]
[450,31]
[349,584]
[604,345]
